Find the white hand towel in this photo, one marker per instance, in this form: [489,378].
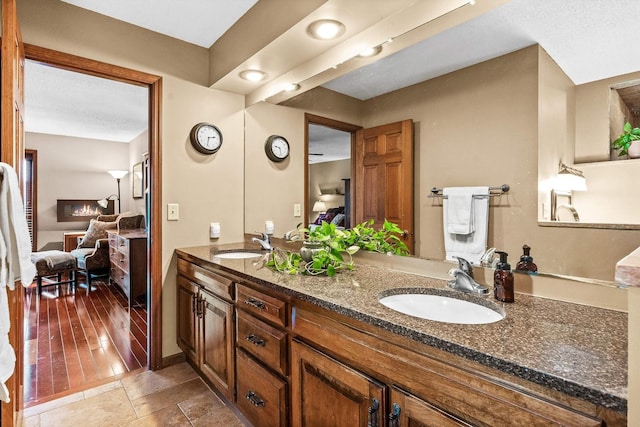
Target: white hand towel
[473,245]
[16,263]
[458,205]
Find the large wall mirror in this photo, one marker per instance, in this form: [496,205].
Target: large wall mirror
[510,118]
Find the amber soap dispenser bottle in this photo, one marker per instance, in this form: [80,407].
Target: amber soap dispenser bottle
[503,279]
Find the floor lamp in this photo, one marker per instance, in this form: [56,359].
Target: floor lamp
[118,175]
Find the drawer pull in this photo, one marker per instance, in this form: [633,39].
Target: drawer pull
[373,413]
[255,340]
[394,416]
[256,303]
[254,398]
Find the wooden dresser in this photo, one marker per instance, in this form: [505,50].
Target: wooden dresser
[128,255]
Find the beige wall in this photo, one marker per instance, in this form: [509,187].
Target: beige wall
[208,188]
[74,168]
[271,189]
[476,126]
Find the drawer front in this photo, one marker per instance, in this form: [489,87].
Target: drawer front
[121,278]
[119,259]
[262,396]
[266,343]
[261,305]
[219,285]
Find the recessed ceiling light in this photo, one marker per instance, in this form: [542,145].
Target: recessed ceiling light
[326,29]
[253,75]
[372,51]
[291,87]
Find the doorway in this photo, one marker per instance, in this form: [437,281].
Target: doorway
[152,203]
[329,161]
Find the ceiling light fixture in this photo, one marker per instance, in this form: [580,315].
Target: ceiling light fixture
[291,87]
[326,29]
[372,51]
[253,75]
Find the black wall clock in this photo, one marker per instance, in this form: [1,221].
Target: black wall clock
[277,148]
[206,138]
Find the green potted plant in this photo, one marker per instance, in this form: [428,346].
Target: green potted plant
[327,249]
[625,142]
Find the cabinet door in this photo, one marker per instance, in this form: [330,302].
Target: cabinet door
[408,410]
[217,356]
[187,318]
[326,393]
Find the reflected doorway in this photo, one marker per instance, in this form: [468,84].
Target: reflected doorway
[328,171]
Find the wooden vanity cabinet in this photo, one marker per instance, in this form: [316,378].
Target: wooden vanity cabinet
[326,392]
[418,389]
[261,357]
[205,326]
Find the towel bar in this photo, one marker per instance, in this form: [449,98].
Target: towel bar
[493,192]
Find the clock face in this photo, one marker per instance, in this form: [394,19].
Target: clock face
[206,138]
[277,148]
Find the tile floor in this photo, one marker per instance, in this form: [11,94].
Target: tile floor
[174,396]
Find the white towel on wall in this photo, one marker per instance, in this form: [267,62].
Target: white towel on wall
[469,246]
[15,263]
[459,200]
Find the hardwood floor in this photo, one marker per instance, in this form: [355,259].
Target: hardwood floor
[75,340]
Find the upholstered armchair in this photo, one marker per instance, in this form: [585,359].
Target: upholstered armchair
[92,253]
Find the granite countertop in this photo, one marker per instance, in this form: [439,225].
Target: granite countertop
[576,349]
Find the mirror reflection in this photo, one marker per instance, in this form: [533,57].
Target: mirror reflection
[511,118]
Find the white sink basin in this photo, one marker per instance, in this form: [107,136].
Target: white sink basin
[441,308]
[237,255]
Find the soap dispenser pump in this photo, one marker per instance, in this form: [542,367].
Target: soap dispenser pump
[503,279]
[526,261]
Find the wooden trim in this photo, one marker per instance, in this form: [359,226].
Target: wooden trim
[154,83]
[33,155]
[336,124]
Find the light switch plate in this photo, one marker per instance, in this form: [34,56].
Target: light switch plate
[297,209]
[173,211]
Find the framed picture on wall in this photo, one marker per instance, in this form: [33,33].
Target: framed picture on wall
[138,181]
[81,210]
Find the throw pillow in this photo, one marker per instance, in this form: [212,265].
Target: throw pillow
[338,219]
[97,230]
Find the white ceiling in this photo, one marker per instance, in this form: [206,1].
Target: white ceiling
[61,102]
[584,37]
[327,144]
[200,22]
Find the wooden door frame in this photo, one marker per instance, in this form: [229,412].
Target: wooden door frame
[335,124]
[154,249]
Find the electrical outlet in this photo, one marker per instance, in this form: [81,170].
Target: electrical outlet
[297,209]
[173,211]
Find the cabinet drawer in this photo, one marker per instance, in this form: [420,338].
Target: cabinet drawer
[262,305]
[119,259]
[266,343]
[262,396]
[217,284]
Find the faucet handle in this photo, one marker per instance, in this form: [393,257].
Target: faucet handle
[465,266]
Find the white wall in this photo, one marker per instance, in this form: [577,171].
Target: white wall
[74,168]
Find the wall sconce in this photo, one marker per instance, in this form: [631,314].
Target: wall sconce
[567,181]
[319,206]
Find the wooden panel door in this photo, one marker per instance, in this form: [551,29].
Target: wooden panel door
[12,153]
[408,410]
[327,393]
[187,330]
[384,176]
[217,354]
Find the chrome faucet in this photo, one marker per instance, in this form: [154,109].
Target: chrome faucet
[265,241]
[464,281]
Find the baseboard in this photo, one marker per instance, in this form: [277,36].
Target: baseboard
[173,359]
